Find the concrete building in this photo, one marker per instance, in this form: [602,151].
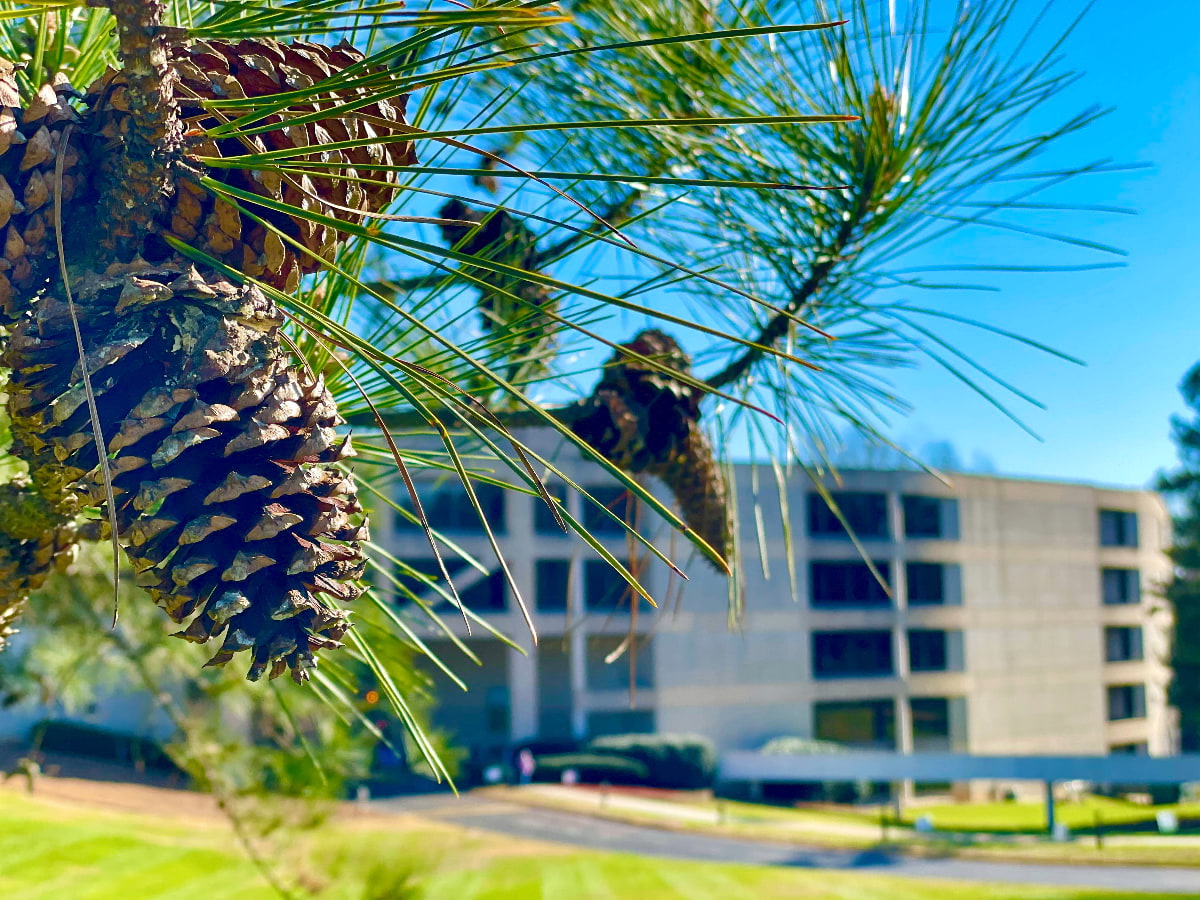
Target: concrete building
[1021,617]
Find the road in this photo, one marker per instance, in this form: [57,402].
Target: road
[601,834]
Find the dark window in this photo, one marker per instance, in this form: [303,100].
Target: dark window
[604,589]
[930,724]
[1126,701]
[614,676]
[1140,748]
[552,576]
[615,499]
[865,513]
[496,710]
[448,508]
[930,517]
[851,654]
[1121,586]
[934,650]
[620,721]
[488,594]
[423,577]
[867,724]
[1122,644]
[848,584]
[543,519]
[1118,528]
[933,584]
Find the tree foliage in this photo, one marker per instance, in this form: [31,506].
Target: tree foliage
[1183,591]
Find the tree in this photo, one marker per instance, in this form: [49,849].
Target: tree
[201,250]
[191,193]
[1183,591]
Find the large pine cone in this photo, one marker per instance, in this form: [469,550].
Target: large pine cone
[641,419]
[223,504]
[211,70]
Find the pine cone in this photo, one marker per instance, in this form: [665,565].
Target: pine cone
[262,68]
[641,419]
[223,505]
[35,540]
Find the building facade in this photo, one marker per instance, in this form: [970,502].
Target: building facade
[996,616]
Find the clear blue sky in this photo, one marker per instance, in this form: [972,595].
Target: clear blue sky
[1138,328]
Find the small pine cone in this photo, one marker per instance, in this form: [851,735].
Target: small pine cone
[263,68]
[35,540]
[641,419]
[227,500]
[695,479]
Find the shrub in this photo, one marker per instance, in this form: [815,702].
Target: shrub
[591,768]
[101,743]
[800,746]
[684,761]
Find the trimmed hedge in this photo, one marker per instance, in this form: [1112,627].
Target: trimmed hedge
[590,768]
[101,743]
[683,761]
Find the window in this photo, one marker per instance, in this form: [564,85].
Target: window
[425,574]
[614,676]
[604,590]
[496,710]
[488,594]
[851,654]
[448,508]
[848,584]
[865,513]
[930,724]
[615,499]
[866,724]
[930,517]
[552,579]
[933,584]
[620,721]
[1121,586]
[1118,528]
[1139,748]
[934,650]
[543,519]
[1122,644]
[1126,701]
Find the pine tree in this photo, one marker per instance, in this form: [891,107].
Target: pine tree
[1183,592]
[190,193]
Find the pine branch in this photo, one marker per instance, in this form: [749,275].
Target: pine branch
[777,326]
[133,194]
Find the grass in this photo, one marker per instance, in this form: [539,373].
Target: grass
[858,829]
[1031,817]
[55,849]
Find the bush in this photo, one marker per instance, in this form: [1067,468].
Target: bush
[688,762]
[101,743]
[798,746]
[590,768]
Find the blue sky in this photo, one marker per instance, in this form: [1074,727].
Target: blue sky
[1138,327]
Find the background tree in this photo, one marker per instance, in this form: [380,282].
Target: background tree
[1183,592]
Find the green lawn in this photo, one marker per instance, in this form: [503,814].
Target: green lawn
[52,850]
[1031,817]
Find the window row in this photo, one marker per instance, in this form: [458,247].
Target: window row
[604,590]
[853,585]
[449,510]
[865,515]
[938,723]
[870,654]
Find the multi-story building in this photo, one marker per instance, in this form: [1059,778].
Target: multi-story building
[996,616]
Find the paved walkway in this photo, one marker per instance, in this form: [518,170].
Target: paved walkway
[600,834]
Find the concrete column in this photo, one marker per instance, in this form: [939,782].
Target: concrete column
[578,657]
[522,694]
